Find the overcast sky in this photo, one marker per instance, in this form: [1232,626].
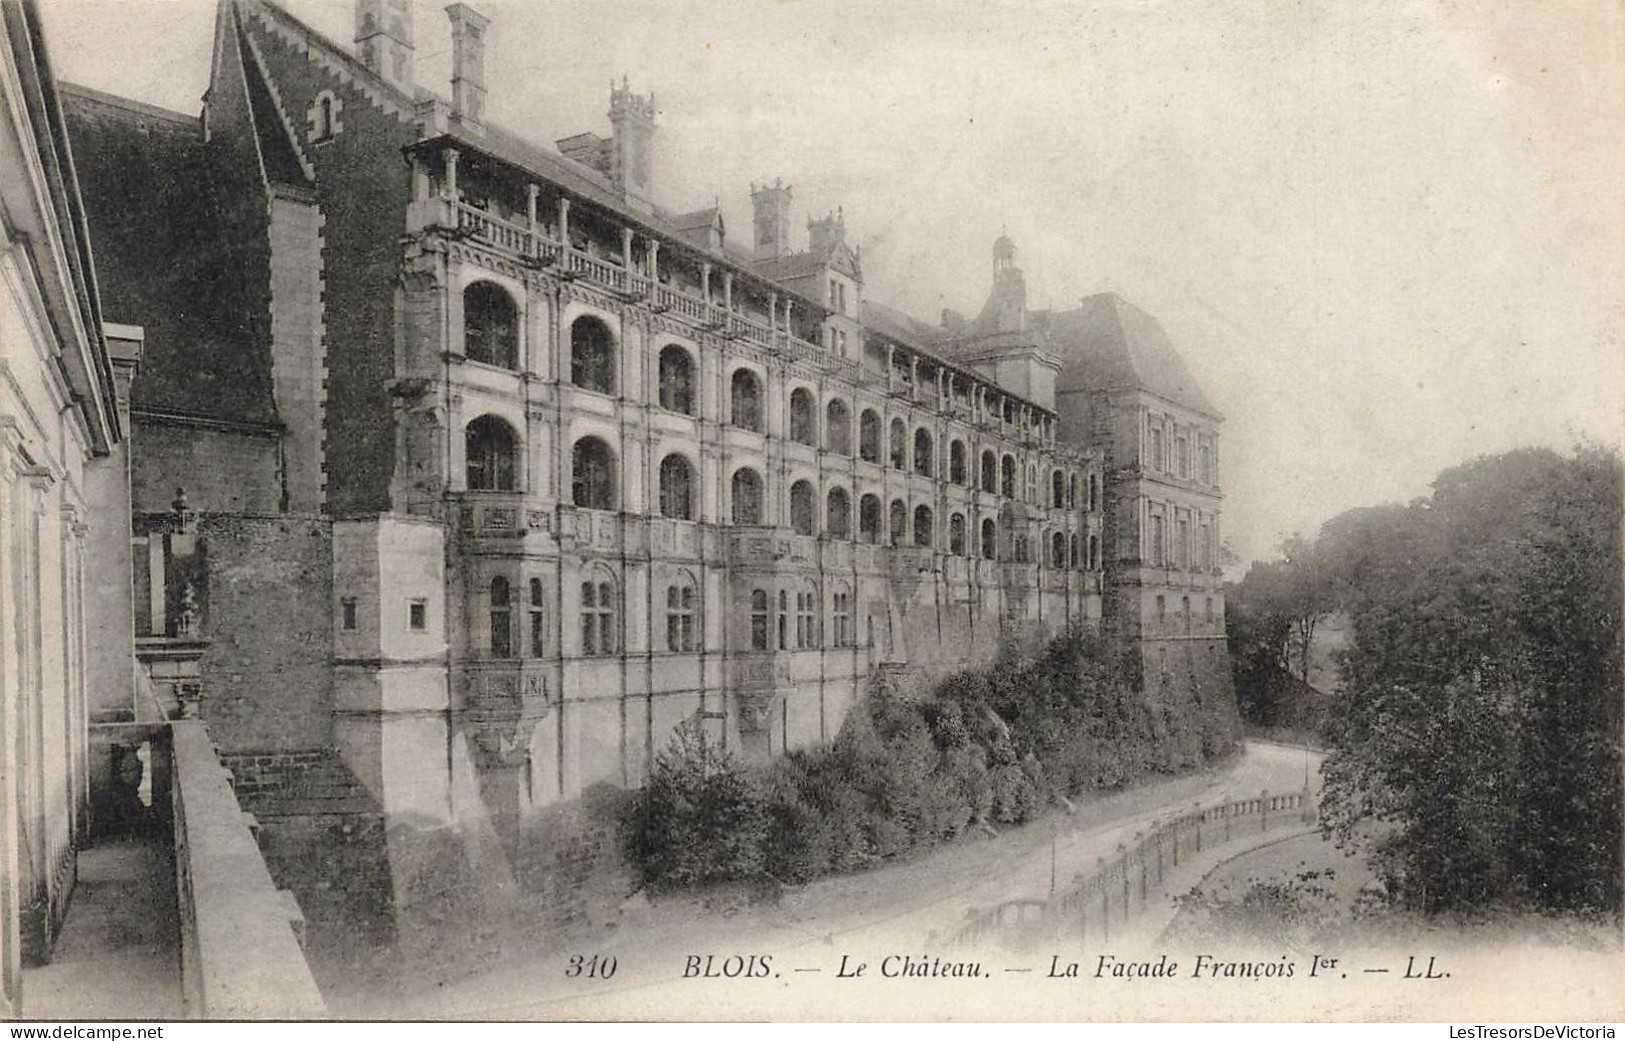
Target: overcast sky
[1386,236]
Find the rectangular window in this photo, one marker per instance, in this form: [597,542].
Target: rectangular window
[843,619]
[758,620]
[348,605]
[806,621]
[417,615]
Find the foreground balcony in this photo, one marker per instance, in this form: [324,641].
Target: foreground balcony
[177,915]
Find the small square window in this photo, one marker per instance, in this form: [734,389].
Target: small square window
[348,604]
[417,614]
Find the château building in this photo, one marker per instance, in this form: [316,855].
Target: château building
[502,470]
[64,508]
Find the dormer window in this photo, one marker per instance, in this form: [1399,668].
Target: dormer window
[323,117]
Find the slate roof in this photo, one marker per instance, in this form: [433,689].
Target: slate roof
[790,266]
[905,328]
[159,237]
[1109,344]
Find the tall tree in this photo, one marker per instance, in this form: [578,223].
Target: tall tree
[1481,713]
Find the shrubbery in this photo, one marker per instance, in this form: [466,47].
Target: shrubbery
[904,774]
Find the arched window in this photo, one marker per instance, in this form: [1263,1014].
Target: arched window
[592,355]
[1057,489]
[1009,411]
[838,428]
[801,508]
[869,519]
[597,618]
[1094,493]
[1007,477]
[990,472]
[922,452]
[676,477]
[680,626]
[746,401]
[869,437]
[801,417]
[807,617]
[324,118]
[838,514]
[899,445]
[899,522]
[538,621]
[784,620]
[676,380]
[1071,490]
[490,325]
[758,620]
[1072,557]
[747,496]
[1094,552]
[488,445]
[1057,550]
[592,474]
[1032,483]
[922,525]
[501,618]
[990,540]
[956,534]
[956,462]
[1185,612]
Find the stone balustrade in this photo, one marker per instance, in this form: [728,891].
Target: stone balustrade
[240,952]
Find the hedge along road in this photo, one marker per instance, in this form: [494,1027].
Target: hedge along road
[911,907]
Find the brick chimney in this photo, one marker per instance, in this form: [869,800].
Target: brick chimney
[771,203]
[632,122]
[383,39]
[468,66]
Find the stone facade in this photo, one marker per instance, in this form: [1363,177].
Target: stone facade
[586,469]
[64,509]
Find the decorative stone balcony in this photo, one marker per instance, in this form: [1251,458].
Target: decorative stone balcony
[500,515]
[590,531]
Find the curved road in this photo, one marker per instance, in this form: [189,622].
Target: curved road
[899,909]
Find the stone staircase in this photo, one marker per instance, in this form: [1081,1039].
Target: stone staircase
[298,784]
[323,836]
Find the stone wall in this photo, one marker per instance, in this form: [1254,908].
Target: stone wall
[267,672]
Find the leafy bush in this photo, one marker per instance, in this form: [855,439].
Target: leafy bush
[906,773]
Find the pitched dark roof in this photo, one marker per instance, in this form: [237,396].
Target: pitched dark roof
[1109,344]
[161,258]
[282,163]
[790,266]
[905,328]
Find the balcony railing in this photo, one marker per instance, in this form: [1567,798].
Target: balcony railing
[512,237]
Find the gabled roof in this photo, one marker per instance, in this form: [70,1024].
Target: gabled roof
[502,144]
[278,149]
[163,261]
[1109,344]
